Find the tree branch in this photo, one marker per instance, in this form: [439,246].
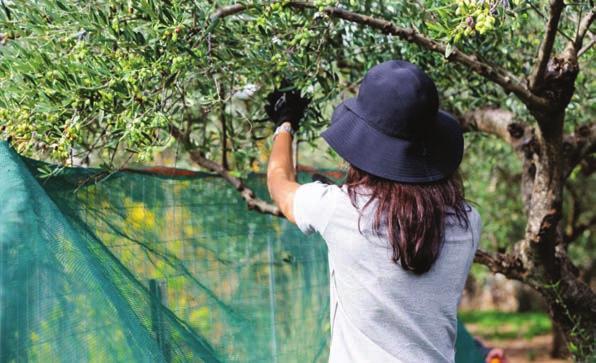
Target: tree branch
[223,12]
[588,165]
[502,263]
[252,201]
[546,47]
[586,47]
[582,30]
[577,230]
[535,8]
[521,137]
[495,121]
[577,146]
[574,229]
[491,72]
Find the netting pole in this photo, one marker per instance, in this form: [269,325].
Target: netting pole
[272,301]
[158,299]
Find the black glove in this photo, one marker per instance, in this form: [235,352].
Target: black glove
[286,105]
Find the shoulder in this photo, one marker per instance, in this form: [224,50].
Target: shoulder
[464,230]
[474,217]
[311,195]
[317,190]
[475,223]
[314,203]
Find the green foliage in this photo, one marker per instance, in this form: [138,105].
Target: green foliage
[492,181]
[476,18]
[108,78]
[111,76]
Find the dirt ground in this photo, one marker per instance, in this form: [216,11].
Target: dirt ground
[523,351]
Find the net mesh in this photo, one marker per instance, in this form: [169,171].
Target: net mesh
[138,267]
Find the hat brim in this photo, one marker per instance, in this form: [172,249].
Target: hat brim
[394,158]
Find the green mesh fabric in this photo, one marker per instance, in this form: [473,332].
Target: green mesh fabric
[137,267]
[467,349]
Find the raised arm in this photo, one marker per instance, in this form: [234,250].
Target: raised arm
[280,171]
[285,109]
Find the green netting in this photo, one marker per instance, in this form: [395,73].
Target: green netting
[136,267]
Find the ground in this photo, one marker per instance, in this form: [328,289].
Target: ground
[525,337]
[535,349]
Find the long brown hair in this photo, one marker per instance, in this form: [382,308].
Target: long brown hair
[411,216]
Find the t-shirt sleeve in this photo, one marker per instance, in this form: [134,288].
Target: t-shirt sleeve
[313,206]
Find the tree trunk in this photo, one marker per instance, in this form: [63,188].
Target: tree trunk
[571,302]
[559,347]
[572,305]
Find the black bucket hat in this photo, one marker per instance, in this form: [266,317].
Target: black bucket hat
[394,128]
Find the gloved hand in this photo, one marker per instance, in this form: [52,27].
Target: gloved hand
[286,105]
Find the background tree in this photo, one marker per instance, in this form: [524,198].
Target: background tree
[118,79]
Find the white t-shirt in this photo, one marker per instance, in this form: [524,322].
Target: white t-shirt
[379,311]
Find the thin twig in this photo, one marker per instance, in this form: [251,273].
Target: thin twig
[582,29]
[586,47]
[545,18]
[252,201]
[577,146]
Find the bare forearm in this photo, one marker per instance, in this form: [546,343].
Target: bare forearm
[281,175]
[280,160]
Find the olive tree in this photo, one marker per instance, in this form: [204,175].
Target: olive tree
[119,79]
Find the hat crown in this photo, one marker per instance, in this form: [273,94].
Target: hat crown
[393,129]
[398,99]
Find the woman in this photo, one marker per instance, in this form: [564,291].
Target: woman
[400,236]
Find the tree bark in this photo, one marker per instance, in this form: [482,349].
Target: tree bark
[572,306]
[559,344]
[571,302]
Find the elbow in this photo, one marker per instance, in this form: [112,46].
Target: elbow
[280,187]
